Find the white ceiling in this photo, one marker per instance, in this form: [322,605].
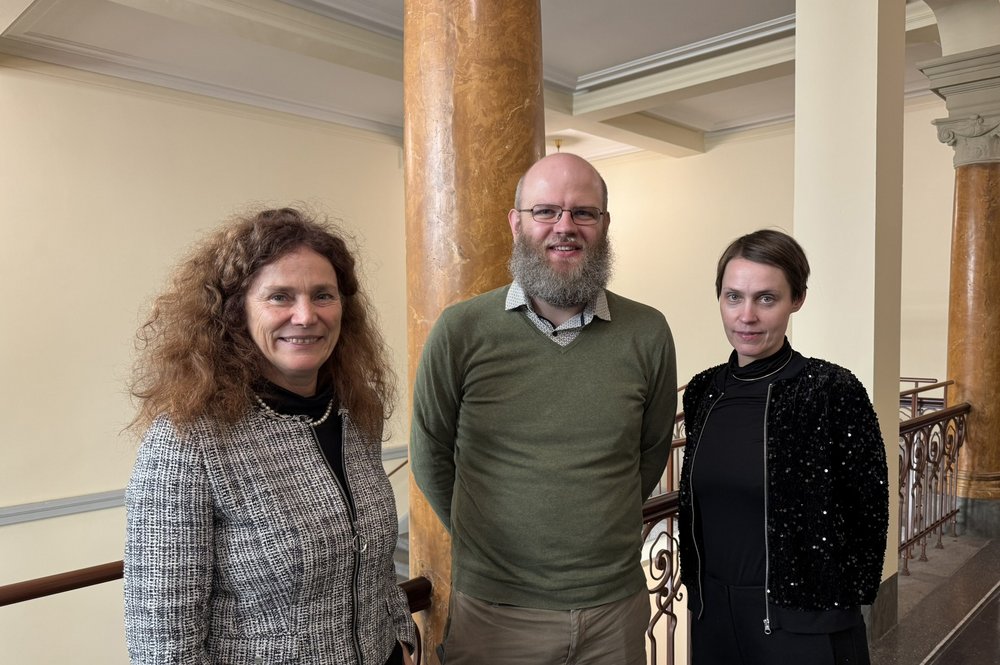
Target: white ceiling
[662,76]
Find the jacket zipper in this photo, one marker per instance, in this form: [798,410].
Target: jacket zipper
[357,541]
[767,550]
[694,540]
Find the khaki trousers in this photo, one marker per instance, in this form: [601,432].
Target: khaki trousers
[481,633]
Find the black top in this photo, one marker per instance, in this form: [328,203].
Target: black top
[728,476]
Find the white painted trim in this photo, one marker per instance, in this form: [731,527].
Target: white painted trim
[85,503]
[40,510]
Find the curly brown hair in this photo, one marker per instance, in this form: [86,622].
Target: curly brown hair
[196,356]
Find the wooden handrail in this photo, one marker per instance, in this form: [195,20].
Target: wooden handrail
[934,416]
[47,586]
[916,379]
[418,589]
[418,593]
[404,463]
[920,389]
[660,507]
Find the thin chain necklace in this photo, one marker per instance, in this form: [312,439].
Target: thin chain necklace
[763,376]
[282,416]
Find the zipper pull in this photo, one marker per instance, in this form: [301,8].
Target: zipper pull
[767,626]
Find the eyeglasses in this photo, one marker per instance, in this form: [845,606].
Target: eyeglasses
[546,213]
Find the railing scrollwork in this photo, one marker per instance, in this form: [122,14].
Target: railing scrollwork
[929,446]
[659,522]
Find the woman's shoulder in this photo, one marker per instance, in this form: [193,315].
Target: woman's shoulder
[201,432]
[704,376]
[822,377]
[817,368]
[698,384]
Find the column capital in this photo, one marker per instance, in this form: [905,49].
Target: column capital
[965,25]
[976,139]
[969,83]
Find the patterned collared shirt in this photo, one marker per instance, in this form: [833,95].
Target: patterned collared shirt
[568,331]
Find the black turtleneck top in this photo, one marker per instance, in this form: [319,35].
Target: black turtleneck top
[728,474]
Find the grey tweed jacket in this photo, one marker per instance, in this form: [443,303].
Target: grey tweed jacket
[240,549]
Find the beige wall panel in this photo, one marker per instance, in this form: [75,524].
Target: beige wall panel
[104,185]
[82,626]
[671,218]
[928,192]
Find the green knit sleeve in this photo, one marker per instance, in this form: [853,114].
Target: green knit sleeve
[660,408]
[436,400]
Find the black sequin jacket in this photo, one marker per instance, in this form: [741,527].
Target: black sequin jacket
[828,502]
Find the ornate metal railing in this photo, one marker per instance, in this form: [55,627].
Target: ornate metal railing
[659,515]
[922,397]
[929,445]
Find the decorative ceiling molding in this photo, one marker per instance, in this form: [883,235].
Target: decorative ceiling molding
[341,61]
[707,48]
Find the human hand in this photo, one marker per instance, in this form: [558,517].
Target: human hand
[407,659]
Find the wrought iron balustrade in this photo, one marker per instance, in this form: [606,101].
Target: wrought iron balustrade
[929,445]
[659,515]
[920,399]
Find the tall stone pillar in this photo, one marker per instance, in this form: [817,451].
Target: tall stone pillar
[969,82]
[474,123]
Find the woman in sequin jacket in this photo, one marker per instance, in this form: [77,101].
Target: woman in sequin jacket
[261,524]
[783,490]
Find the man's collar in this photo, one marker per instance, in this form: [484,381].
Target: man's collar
[517,298]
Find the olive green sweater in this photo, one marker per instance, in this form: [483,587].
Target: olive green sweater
[537,457]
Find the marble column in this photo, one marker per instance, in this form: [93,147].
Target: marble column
[969,82]
[474,123]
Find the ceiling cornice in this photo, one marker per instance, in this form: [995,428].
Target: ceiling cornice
[287,27]
[707,48]
[619,103]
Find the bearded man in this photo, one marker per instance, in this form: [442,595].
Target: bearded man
[542,418]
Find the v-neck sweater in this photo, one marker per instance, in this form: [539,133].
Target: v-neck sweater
[538,457]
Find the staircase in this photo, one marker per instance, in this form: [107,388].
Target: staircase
[948,608]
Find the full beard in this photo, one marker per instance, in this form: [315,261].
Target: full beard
[576,287]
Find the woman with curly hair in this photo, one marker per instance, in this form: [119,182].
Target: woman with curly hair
[261,524]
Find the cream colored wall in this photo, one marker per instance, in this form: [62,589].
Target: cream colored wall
[672,218]
[82,626]
[104,185]
[928,194]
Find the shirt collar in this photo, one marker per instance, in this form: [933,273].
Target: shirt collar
[517,298]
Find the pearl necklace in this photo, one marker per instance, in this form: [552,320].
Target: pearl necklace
[282,416]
